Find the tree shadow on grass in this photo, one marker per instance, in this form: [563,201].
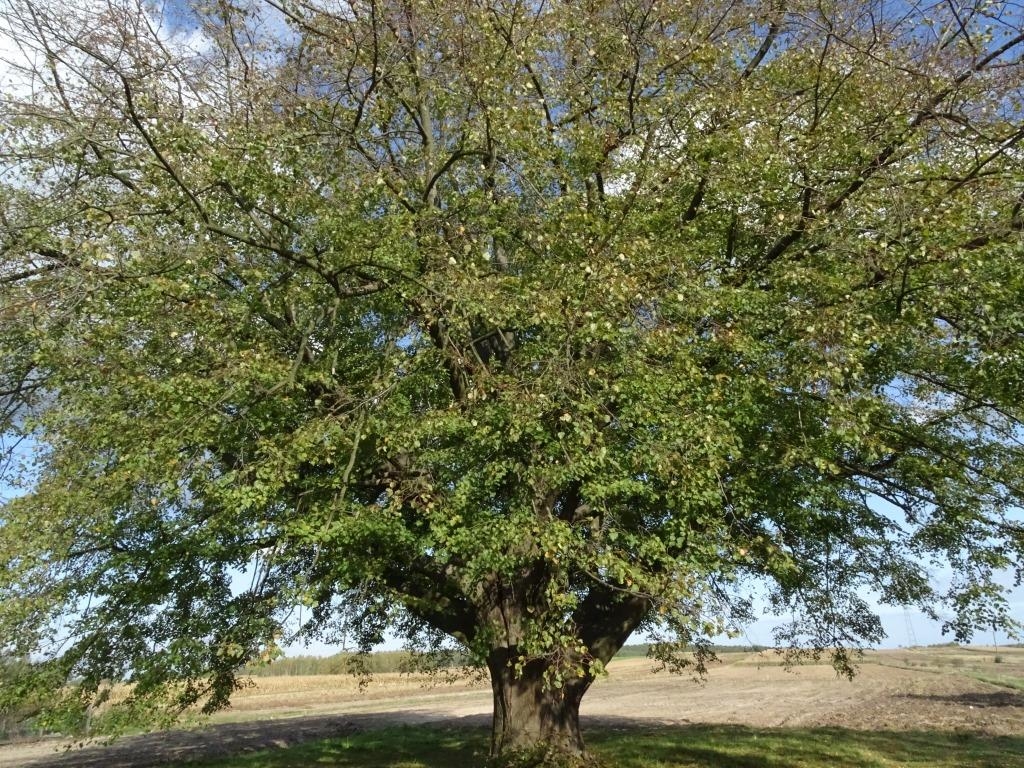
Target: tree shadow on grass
[730,746]
[236,741]
[370,742]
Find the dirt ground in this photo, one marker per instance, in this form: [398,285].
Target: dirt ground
[895,691]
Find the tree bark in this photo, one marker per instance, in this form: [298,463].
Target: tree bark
[534,717]
[530,714]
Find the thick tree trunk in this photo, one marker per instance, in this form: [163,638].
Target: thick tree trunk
[532,717]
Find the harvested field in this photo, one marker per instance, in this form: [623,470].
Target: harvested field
[963,690]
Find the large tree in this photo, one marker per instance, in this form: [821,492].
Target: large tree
[525,323]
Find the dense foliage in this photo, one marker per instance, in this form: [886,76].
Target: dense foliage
[522,324]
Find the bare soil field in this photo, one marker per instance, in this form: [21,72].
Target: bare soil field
[975,690]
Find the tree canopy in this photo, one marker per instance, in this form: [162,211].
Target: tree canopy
[523,324]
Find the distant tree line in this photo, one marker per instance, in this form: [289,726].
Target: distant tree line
[357,663]
[405,661]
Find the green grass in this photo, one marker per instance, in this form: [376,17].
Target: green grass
[400,747]
[742,747]
[1005,681]
[635,747]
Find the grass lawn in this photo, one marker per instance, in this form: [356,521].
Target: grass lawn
[688,747]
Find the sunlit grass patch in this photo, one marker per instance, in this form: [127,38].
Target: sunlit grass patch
[742,747]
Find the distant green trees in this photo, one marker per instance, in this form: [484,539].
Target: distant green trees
[404,661]
[16,708]
[356,663]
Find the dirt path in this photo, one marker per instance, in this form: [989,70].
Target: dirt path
[881,698]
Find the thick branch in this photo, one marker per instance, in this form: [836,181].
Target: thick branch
[766,45]
[607,618]
[428,593]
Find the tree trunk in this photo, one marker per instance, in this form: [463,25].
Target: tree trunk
[531,717]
